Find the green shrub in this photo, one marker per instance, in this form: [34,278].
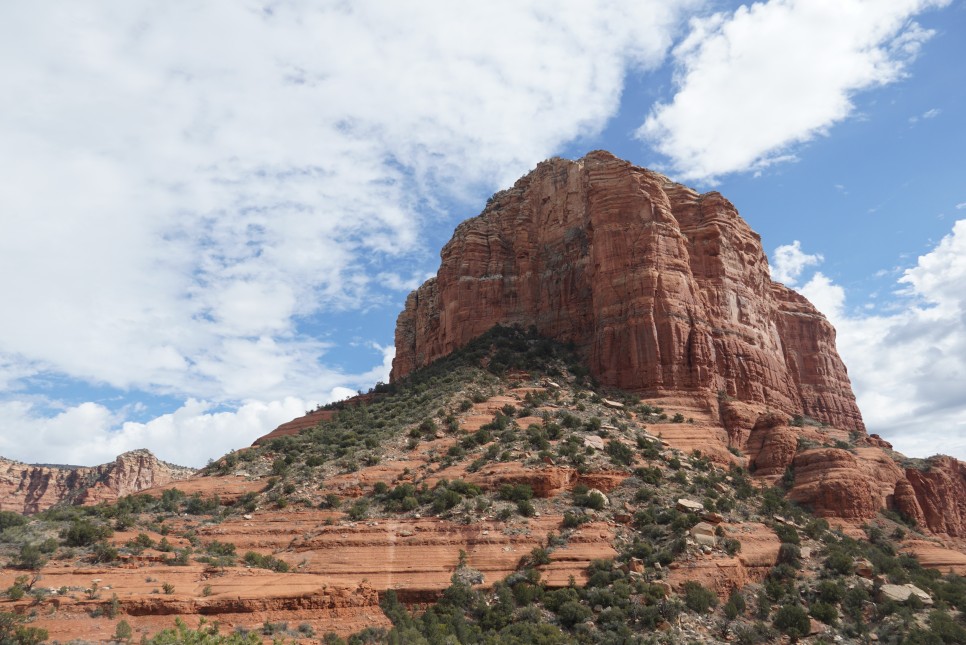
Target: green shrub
[103,552]
[755,634]
[590,499]
[220,548]
[816,527]
[787,534]
[735,605]
[697,598]
[197,505]
[573,520]
[789,554]
[85,533]
[650,476]
[839,562]
[731,546]
[824,612]
[182,557]
[10,519]
[526,508]
[830,591]
[13,631]
[619,453]
[515,492]
[359,510]
[112,607]
[853,600]
[572,612]
[445,499]
[171,500]
[30,557]
[265,562]
[792,620]
[139,543]
[538,557]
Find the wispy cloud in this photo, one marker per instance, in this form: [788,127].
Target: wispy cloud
[773,74]
[928,114]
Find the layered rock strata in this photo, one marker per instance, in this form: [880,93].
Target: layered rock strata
[26,488]
[938,499]
[661,289]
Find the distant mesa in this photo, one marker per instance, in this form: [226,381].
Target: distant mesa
[31,488]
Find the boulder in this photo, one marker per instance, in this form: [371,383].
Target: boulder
[901,593]
[703,534]
[689,506]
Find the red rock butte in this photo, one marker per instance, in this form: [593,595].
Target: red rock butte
[663,291]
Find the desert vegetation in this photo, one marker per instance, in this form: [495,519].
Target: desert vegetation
[613,469]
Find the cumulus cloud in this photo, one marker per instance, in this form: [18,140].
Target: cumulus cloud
[908,366]
[188,436]
[773,74]
[184,183]
[788,261]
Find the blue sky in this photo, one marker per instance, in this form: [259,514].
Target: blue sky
[212,213]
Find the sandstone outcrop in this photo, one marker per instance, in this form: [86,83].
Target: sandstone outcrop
[830,482]
[940,496]
[26,488]
[297,425]
[661,289]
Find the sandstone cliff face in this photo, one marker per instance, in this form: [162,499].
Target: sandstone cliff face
[938,499]
[661,289]
[26,488]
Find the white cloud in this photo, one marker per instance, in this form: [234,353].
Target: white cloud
[961,206]
[928,114]
[91,433]
[908,367]
[754,82]
[828,297]
[788,261]
[188,436]
[184,182]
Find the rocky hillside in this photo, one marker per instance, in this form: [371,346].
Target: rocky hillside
[661,290]
[606,424]
[666,293]
[498,495]
[26,488]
